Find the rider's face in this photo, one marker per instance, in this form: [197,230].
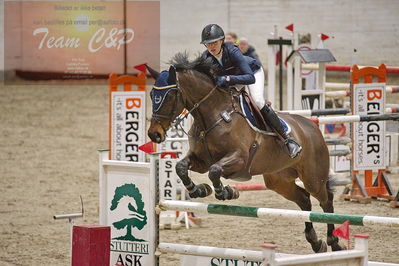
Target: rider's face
[214,47]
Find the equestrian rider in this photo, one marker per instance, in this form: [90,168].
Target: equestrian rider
[250,73]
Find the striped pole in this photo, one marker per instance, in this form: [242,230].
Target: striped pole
[304,216]
[337,111]
[337,94]
[340,152]
[391,110]
[391,70]
[208,251]
[354,118]
[249,187]
[340,141]
[318,112]
[256,187]
[346,93]
[340,68]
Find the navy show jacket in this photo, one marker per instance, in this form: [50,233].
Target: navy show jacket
[240,68]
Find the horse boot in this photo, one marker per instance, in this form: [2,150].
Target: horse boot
[272,119]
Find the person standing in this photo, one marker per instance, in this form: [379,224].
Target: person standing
[232,37]
[247,49]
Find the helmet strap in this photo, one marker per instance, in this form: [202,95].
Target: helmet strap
[221,47]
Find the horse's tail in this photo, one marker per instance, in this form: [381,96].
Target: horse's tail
[335,181]
[331,183]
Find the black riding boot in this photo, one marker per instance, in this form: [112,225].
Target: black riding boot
[272,119]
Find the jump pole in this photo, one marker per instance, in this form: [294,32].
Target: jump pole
[255,212]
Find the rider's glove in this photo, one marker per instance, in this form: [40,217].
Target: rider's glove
[221,81]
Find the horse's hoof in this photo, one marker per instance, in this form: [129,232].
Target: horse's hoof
[228,193]
[200,191]
[233,193]
[335,245]
[338,247]
[205,189]
[322,247]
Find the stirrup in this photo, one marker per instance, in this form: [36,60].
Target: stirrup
[296,150]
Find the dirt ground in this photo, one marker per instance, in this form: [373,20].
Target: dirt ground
[50,135]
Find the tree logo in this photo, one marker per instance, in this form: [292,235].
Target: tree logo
[137,217]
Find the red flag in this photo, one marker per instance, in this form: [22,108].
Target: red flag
[342,231]
[148,147]
[324,37]
[290,27]
[141,68]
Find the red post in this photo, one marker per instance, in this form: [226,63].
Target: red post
[91,245]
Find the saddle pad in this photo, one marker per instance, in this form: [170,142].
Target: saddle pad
[251,119]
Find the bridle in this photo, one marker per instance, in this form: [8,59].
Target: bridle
[172,118]
[177,122]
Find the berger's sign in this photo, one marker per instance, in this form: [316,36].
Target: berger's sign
[369,137]
[127,125]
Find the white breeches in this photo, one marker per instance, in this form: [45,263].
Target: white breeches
[257,89]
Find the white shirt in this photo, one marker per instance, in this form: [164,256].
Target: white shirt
[219,57]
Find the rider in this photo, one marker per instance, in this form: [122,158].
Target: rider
[251,73]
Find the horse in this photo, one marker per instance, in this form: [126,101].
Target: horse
[223,144]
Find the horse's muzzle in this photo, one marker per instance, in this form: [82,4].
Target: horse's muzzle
[155,136]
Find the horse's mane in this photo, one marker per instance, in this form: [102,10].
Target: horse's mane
[202,64]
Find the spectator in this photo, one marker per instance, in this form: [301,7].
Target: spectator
[247,49]
[232,37]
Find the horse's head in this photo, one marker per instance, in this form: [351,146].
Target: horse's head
[167,103]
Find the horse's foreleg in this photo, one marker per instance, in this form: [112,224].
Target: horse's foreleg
[228,165]
[195,191]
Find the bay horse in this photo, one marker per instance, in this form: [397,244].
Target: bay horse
[223,144]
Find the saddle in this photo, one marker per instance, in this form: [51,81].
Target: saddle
[257,117]
[254,116]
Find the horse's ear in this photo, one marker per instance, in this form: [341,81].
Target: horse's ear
[172,75]
[154,74]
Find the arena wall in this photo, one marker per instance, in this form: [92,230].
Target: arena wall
[371,27]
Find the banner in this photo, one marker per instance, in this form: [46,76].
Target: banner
[127,206]
[127,125]
[369,137]
[79,39]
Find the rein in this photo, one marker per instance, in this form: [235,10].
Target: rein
[204,131]
[196,105]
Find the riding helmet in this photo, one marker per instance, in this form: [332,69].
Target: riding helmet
[211,33]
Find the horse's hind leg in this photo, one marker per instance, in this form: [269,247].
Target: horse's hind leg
[325,196]
[328,206]
[284,184]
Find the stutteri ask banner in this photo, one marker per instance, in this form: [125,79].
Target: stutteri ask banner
[80,38]
[127,205]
